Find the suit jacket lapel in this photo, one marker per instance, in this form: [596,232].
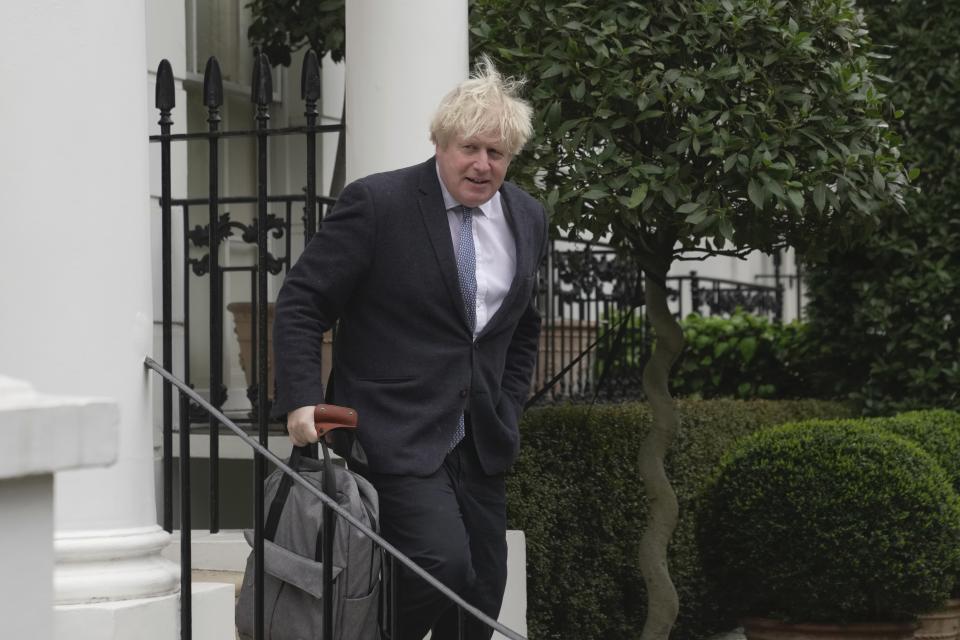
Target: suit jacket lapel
[434,215]
[522,235]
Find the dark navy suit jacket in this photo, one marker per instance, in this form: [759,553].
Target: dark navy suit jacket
[383,265]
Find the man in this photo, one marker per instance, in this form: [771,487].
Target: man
[430,271]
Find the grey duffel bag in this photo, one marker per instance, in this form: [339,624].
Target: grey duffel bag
[293,558]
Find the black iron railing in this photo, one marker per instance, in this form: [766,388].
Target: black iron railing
[210,236]
[332,510]
[586,289]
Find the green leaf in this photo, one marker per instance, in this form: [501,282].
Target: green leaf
[552,116]
[648,114]
[688,207]
[878,182]
[552,197]
[579,90]
[748,347]
[638,196]
[796,199]
[726,229]
[555,69]
[669,196]
[756,193]
[697,216]
[595,194]
[820,197]
[729,163]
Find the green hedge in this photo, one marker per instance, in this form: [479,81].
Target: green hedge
[743,356]
[576,494]
[829,521]
[937,431]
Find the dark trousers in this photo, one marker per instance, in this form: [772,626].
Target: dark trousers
[453,524]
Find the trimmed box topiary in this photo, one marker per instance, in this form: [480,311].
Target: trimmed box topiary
[937,431]
[829,522]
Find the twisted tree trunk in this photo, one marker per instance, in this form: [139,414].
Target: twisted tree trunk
[662,601]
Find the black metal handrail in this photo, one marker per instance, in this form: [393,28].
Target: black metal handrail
[393,552]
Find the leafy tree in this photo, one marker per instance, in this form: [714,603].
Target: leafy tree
[696,127]
[885,314]
[281,27]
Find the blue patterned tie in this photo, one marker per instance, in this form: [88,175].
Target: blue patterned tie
[467,273]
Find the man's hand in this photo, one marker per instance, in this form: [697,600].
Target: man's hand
[300,426]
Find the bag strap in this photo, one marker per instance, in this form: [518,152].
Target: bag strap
[280,497]
[327,530]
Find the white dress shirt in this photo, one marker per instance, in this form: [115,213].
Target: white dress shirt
[495,248]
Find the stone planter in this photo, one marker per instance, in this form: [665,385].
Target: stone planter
[769,629]
[943,624]
[244,325]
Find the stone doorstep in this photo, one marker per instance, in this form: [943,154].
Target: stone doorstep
[221,557]
[222,577]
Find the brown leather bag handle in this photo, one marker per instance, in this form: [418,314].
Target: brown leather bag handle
[328,417]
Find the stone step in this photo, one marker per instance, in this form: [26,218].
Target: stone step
[221,558]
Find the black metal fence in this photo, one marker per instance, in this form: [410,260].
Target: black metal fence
[587,289]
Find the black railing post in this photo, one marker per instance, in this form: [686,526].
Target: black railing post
[165,101]
[310,92]
[695,296]
[799,280]
[213,99]
[262,93]
[778,284]
[186,308]
[186,559]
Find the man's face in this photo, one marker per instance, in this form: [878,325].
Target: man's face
[473,168]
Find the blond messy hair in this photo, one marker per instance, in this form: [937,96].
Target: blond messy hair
[483,104]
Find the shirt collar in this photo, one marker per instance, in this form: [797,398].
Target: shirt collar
[449,202]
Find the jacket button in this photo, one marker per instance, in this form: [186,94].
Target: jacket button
[463,393]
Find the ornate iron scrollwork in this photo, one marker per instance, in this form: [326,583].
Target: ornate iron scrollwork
[594,274]
[728,300]
[275,226]
[199,237]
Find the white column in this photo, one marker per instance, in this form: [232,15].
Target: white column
[332,79]
[77,314]
[402,58]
